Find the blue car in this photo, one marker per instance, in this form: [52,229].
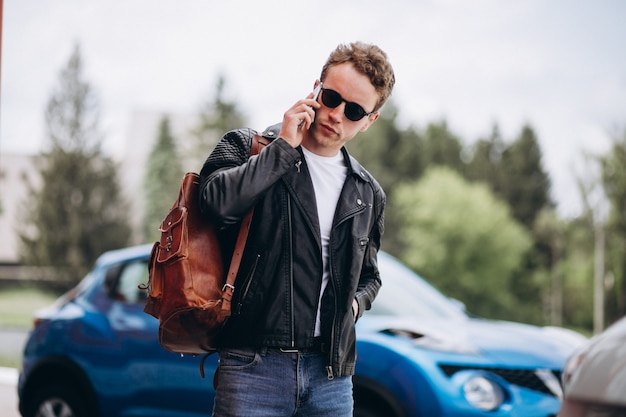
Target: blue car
[95,353]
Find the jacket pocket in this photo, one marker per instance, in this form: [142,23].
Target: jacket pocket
[247,284]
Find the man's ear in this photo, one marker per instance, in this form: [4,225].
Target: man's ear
[370,119]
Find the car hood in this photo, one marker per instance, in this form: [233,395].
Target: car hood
[499,341]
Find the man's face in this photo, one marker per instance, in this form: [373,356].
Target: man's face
[332,129]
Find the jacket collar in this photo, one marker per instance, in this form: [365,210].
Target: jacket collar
[354,167]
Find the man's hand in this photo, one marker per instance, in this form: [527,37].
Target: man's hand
[355,308]
[298,118]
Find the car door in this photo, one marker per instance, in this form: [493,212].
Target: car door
[144,378]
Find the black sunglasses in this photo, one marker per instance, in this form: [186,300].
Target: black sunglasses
[353,111]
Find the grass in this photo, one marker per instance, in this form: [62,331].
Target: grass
[11,361]
[18,305]
[16,312]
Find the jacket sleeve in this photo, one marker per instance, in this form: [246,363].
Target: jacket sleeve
[231,181]
[369,281]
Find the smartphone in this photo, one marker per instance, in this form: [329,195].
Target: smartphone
[316,93]
[317,90]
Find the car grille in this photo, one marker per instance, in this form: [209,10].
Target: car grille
[526,378]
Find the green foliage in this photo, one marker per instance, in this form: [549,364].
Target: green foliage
[74,211]
[546,263]
[614,181]
[577,270]
[522,160]
[442,147]
[216,117]
[484,164]
[161,181]
[514,172]
[459,236]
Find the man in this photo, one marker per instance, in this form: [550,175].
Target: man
[309,268]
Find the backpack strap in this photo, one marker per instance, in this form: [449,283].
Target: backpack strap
[258,142]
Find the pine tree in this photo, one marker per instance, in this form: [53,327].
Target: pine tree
[216,117]
[75,210]
[527,187]
[162,180]
[485,162]
[442,146]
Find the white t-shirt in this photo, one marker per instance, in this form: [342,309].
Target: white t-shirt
[328,175]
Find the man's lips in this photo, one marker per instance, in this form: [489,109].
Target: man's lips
[329,129]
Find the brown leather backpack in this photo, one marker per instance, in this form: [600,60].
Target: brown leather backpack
[188,290]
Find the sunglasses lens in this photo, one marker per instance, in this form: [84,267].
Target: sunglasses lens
[332,99]
[354,112]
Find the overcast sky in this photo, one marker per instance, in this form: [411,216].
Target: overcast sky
[559,65]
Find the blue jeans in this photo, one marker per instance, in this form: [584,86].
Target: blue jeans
[271,383]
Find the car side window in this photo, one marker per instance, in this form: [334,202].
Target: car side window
[131,276]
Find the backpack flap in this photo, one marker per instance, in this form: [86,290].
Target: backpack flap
[173,229]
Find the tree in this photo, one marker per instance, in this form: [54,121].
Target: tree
[514,172]
[550,231]
[459,236]
[442,147]
[161,181]
[77,212]
[614,184]
[485,161]
[527,186]
[216,117]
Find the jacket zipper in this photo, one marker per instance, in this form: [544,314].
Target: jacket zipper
[247,287]
[292,324]
[329,367]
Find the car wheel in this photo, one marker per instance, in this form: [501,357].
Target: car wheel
[371,400]
[375,408]
[364,412]
[56,401]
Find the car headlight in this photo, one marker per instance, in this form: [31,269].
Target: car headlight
[483,393]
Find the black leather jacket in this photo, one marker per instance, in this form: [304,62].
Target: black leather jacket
[279,280]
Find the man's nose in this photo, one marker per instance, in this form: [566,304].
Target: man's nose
[337,113]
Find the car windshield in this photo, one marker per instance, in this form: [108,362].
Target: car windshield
[404,293]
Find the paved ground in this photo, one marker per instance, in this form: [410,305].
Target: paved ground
[11,343]
[8,393]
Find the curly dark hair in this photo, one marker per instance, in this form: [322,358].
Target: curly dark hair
[370,61]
